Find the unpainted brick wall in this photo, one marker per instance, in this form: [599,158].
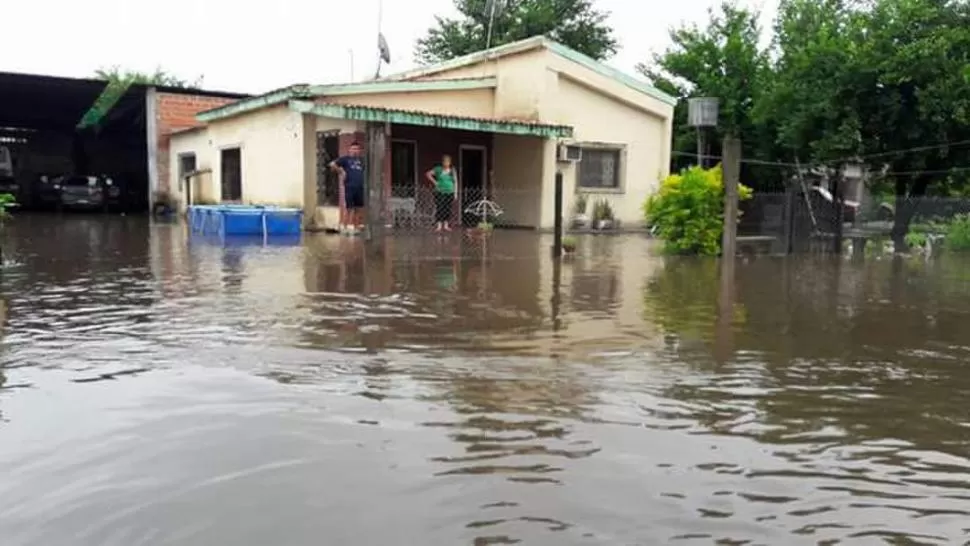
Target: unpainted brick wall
[175,112]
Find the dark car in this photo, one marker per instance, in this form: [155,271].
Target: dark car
[87,192]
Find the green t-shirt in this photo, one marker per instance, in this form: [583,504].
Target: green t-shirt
[444,181]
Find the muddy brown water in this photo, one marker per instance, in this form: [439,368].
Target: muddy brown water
[158,390]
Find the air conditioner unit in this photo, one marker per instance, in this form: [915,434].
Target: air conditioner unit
[570,154]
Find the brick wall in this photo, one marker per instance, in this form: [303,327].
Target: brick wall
[175,112]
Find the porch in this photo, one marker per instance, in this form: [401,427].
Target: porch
[504,162]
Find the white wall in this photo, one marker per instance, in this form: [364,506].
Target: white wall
[599,120]
[516,177]
[204,188]
[271,149]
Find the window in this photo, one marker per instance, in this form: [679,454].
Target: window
[600,168]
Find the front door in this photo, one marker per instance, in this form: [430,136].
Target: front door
[328,181]
[231,174]
[471,170]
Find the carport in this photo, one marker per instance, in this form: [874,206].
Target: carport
[56,126]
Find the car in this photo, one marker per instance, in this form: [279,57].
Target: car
[87,192]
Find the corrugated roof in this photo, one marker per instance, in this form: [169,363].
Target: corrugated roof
[432,119]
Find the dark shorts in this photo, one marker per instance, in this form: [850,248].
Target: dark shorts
[354,197]
[444,204]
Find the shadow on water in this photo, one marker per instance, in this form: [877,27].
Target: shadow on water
[156,389]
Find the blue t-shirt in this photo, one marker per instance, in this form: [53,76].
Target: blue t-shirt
[354,169]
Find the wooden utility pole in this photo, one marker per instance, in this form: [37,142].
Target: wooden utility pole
[731,164]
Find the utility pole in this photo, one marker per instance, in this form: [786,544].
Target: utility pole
[731,163]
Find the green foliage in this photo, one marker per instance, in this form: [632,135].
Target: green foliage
[602,210]
[957,236]
[582,203]
[569,243]
[688,211]
[882,82]
[7,202]
[573,23]
[120,80]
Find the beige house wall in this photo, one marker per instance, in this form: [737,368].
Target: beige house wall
[271,144]
[643,139]
[476,103]
[518,165]
[204,190]
[518,94]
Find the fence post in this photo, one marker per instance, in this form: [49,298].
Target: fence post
[838,201]
[557,221]
[788,217]
[731,158]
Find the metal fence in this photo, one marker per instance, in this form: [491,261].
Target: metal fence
[810,221]
[423,207]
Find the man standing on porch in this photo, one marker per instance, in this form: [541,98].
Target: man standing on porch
[443,177]
[351,169]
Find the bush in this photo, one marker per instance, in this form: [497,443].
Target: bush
[958,233]
[688,211]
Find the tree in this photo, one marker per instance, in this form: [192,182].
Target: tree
[117,75]
[119,81]
[574,23]
[721,59]
[918,51]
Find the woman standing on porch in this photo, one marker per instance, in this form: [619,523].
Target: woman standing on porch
[443,177]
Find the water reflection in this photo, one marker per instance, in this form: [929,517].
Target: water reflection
[469,391]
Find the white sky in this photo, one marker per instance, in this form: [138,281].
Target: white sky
[254,46]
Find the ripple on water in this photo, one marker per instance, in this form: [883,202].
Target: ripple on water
[159,392]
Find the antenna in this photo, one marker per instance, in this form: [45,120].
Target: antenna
[351,52]
[492,8]
[383,50]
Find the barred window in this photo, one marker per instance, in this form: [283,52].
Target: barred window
[599,168]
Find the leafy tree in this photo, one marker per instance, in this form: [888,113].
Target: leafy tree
[574,23]
[918,51]
[116,74]
[721,59]
[119,81]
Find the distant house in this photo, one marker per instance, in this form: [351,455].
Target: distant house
[509,116]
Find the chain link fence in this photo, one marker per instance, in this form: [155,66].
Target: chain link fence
[421,208]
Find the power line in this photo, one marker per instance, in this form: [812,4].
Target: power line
[797,166]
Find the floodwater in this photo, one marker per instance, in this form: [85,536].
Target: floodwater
[156,390]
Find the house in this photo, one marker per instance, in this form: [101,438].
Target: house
[509,117]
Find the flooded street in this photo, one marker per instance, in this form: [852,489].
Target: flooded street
[157,390]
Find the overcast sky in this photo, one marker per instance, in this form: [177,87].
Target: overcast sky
[254,46]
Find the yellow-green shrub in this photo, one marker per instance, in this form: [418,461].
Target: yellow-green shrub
[688,211]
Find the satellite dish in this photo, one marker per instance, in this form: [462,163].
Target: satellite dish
[383,48]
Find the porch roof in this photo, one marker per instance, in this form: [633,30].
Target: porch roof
[428,119]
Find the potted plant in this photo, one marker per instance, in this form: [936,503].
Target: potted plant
[580,219]
[603,215]
[568,244]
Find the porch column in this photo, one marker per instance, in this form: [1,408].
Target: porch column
[309,170]
[374,196]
